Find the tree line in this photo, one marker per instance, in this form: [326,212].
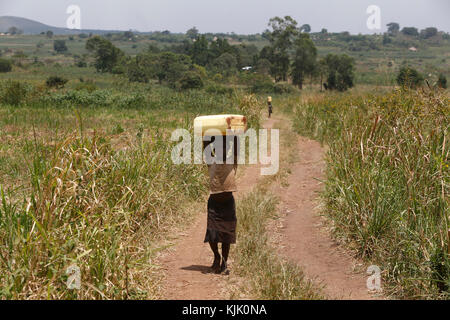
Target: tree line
[290,56]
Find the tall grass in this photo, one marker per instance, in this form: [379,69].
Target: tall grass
[89,206]
[388,181]
[96,188]
[269,276]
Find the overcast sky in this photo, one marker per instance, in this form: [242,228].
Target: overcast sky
[240,16]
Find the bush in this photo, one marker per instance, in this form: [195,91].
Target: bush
[13,92]
[409,77]
[87,85]
[219,89]
[5,65]
[258,83]
[283,87]
[56,82]
[81,64]
[442,81]
[191,80]
[59,46]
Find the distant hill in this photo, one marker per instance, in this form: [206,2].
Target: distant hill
[33,27]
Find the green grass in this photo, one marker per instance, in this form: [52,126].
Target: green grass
[387,181]
[87,179]
[268,275]
[90,205]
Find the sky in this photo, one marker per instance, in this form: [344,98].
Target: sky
[239,16]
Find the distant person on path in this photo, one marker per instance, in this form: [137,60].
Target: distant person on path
[221,225]
[269,103]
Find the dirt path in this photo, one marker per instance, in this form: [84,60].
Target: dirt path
[304,239]
[187,265]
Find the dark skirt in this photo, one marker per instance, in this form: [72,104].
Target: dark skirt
[221,225]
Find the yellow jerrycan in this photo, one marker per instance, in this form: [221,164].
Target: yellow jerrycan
[236,124]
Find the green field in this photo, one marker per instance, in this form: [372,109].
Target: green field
[85,170]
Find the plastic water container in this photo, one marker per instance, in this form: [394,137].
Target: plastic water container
[236,124]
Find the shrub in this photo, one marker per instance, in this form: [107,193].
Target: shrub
[409,77]
[191,80]
[5,65]
[87,85]
[258,83]
[219,89]
[13,92]
[217,77]
[56,82]
[442,81]
[283,87]
[59,46]
[81,64]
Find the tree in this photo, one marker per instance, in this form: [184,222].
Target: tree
[409,77]
[170,67]
[321,70]
[107,56]
[49,34]
[128,35]
[14,30]
[263,66]
[5,65]
[324,31]
[59,46]
[191,80]
[428,32]
[304,59]
[225,64]
[141,68]
[393,28]
[305,28]
[284,31]
[410,31]
[386,39]
[246,55]
[340,72]
[442,81]
[192,33]
[219,47]
[199,51]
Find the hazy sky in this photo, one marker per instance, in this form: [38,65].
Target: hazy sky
[240,16]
